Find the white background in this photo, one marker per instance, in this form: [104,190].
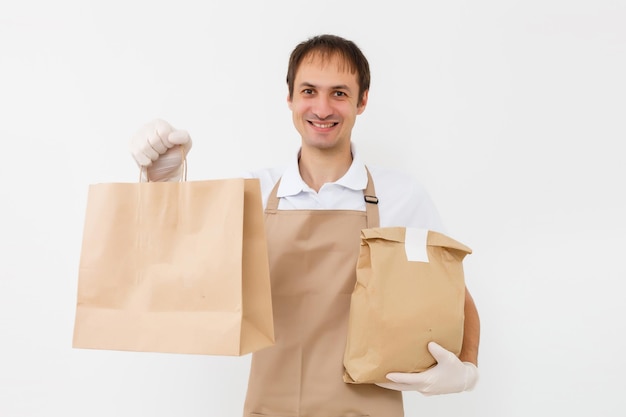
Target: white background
[512,114]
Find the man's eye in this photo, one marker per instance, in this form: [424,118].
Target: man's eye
[307,91]
[340,93]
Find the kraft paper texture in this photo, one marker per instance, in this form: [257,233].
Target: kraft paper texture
[410,290]
[174,267]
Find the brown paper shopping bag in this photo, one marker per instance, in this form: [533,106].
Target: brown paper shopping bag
[174,267]
[410,290]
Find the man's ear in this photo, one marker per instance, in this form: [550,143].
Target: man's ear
[289,102]
[363,103]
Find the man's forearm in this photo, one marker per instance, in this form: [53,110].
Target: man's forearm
[471,331]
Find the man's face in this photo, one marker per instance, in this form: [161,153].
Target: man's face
[325,103]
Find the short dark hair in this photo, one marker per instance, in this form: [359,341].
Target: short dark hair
[329,46]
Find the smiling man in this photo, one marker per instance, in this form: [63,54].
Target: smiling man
[325,97]
[315,210]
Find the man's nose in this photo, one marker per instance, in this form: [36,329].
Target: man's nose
[322,107]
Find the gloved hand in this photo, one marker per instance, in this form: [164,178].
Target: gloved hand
[450,375]
[154,147]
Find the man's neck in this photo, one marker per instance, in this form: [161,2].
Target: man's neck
[321,166]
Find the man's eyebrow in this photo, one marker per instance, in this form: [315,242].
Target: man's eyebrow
[336,87]
[341,87]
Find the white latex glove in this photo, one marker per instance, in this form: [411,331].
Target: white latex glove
[450,375]
[154,147]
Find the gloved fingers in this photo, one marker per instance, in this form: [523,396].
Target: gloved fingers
[143,157]
[422,382]
[441,354]
[471,376]
[156,146]
[157,143]
[148,144]
[179,137]
[161,131]
[409,378]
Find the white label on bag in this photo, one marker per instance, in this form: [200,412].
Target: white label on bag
[415,242]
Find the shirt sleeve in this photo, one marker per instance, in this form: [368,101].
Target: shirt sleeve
[404,201]
[267,178]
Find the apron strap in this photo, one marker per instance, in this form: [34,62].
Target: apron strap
[369,195]
[272,200]
[371,202]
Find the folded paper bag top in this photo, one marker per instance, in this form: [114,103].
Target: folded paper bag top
[410,290]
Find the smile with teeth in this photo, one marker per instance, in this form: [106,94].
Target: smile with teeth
[323,125]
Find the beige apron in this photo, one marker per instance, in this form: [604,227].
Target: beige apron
[312,256]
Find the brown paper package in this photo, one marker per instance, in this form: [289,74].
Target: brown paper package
[398,306]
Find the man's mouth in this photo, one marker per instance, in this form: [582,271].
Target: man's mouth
[323,125]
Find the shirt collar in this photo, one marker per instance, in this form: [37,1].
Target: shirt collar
[291,182]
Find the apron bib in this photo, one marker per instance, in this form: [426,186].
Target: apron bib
[312,258]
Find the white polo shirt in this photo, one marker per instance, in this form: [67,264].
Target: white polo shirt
[402,201]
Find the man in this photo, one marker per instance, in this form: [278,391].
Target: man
[315,210]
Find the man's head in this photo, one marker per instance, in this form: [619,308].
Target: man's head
[328,81]
[328,47]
